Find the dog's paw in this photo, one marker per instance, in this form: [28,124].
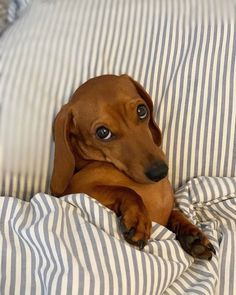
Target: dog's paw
[136,227]
[195,243]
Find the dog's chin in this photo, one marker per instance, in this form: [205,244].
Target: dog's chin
[145,180]
[141,180]
[138,178]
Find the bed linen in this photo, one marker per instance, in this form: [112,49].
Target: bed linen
[72,245]
[183,52]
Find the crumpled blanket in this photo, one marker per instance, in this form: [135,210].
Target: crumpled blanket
[73,245]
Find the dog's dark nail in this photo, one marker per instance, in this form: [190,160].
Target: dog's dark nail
[211,248]
[209,258]
[141,244]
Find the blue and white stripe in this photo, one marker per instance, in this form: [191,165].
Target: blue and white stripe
[183,52]
[73,245]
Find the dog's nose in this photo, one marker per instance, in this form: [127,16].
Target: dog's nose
[157,171]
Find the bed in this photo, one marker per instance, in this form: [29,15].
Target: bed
[183,52]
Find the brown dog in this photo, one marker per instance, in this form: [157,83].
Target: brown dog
[108,146]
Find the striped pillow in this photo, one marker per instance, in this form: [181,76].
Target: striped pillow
[183,52]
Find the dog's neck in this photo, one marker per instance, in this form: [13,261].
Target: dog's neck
[81,163]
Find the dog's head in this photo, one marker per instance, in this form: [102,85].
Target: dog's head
[109,119]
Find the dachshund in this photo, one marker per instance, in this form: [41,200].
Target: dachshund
[108,146]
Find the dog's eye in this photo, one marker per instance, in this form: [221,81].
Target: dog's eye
[142,111]
[103,133]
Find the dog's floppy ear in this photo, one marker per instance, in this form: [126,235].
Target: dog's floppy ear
[64,161]
[155,130]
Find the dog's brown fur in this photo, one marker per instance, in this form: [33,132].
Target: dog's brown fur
[113,171]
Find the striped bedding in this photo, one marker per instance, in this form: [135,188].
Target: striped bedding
[183,52]
[73,245]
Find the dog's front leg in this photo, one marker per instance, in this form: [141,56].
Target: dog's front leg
[135,222]
[191,238]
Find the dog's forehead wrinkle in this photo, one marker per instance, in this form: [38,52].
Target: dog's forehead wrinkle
[119,116]
[112,116]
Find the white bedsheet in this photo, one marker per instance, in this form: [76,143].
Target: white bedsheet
[72,245]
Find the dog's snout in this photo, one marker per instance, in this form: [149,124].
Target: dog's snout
[157,171]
